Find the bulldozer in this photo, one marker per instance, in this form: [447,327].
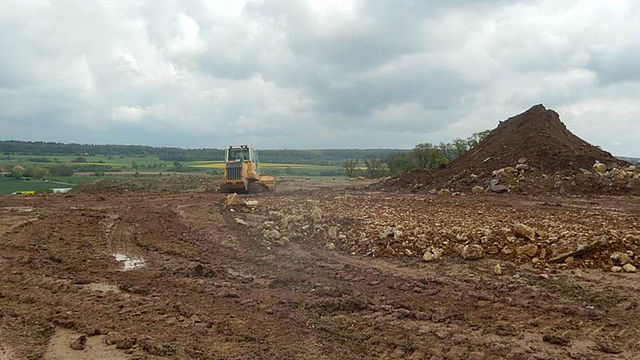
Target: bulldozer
[242,172]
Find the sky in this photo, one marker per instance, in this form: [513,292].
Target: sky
[315,74]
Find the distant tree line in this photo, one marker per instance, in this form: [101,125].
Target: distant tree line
[172,154]
[422,156]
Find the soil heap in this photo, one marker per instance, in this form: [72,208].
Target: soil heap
[532,152]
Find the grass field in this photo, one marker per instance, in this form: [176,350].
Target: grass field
[9,185]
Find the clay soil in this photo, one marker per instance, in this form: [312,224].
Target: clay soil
[205,282]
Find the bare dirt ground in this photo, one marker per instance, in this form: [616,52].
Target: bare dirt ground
[305,275]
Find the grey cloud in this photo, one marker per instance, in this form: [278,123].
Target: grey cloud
[332,73]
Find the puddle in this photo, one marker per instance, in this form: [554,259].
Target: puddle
[129,262]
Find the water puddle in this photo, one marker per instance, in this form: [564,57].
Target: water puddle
[129,262]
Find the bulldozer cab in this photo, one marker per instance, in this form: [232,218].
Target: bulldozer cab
[242,153]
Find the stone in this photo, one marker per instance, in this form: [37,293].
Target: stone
[233,199]
[428,256]
[330,246]
[316,214]
[477,190]
[251,203]
[522,167]
[444,192]
[599,167]
[112,338]
[620,258]
[333,232]
[497,269]
[524,231]
[522,161]
[529,249]
[616,269]
[272,234]
[629,268]
[472,252]
[499,189]
[240,222]
[79,343]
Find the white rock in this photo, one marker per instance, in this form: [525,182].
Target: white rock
[472,252]
[497,269]
[629,268]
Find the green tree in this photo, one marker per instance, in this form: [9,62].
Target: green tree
[400,162]
[427,156]
[349,166]
[61,170]
[35,171]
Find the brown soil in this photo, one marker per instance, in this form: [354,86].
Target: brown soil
[551,151]
[210,287]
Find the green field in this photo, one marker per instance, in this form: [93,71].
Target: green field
[9,185]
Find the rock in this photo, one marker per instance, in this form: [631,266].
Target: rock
[476,355]
[432,255]
[112,338]
[272,234]
[499,189]
[616,269]
[126,343]
[632,168]
[251,203]
[529,249]
[522,167]
[497,269]
[599,167]
[444,192]
[477,190]
[472,252]
[241,222]
[390,232]
[620,258]
[556,339]
[316,214]
[79,343]
[333,232]
[629,268]
[233,199]
[522,161]
[330,246]
[473,176]
[524,231]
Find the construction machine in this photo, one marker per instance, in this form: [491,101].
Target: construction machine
[242,172]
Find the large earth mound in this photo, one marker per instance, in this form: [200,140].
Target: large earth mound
[532,152]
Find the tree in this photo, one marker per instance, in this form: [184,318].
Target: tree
[177,166]
[400,162]
[374,167]
[61,170]
[349,166]
[427,156]
[35,171]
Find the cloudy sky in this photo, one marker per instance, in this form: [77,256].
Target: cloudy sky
[313,73]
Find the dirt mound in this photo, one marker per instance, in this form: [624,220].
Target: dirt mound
[532,152]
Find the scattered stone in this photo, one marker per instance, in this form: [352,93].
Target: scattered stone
[432,255]
[444,192]
[620,258]
[472,252]
[251,202]
[241,222]
[272,234]
[477,190]
[330,246]
[524,231]
[529,249]
[233,199]
[333,232]
[79,343]
[112,338]
[499,189]
[556,339]
[497,269]
[582,249]
[599,167]
[629,268]
[616,269]
[126,343]
[522,161]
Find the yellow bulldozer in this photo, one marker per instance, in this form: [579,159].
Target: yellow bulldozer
[242,172]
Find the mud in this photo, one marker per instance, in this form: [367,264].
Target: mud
[212,288]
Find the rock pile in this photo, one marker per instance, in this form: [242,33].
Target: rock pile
[530,153]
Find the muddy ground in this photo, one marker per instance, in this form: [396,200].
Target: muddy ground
[200,284]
